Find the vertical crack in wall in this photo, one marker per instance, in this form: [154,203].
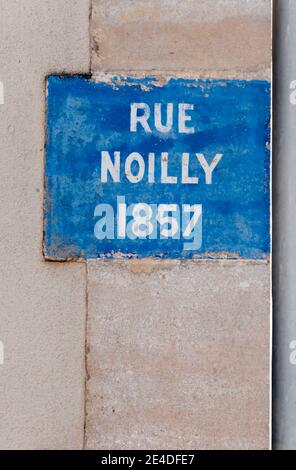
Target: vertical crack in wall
[90,34]
[86,350]
[86,347]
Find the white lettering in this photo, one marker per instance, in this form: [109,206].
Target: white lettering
[151,166]
[151,221]
[108,166]
[208,169]
[164,170]
[158,115]
[134,157]
[186,179]
[121,218]
[143,119]
[184,117]
[169,226]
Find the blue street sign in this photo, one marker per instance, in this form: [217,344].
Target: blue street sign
[141,167]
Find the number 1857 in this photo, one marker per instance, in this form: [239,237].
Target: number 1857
[150,221]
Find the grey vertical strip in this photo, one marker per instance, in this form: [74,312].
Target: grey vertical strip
[284,226]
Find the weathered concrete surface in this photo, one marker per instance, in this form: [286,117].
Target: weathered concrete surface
[172,362]
[178,355]
[224,38]
[42,304]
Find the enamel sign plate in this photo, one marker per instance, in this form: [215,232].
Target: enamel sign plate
[171,168]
